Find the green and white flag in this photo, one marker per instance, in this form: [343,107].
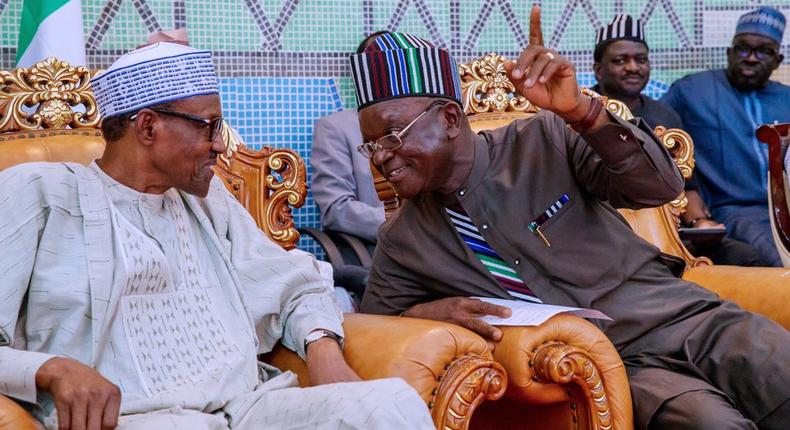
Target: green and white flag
[51,28]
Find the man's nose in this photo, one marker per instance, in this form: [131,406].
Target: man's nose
[381,156]
[631,65]
[219,145]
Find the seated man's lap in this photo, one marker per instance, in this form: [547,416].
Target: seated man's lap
[751,224]
[376,404]
[724,351]
[699,410]
[173,419]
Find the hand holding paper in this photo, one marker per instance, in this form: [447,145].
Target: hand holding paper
[529,314]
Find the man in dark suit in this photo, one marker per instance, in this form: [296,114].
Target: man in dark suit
[527,212]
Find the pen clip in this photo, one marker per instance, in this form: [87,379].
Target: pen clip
[535,228]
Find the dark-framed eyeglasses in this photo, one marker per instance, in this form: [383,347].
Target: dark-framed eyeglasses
[393,141]
[761,52]
[214,124]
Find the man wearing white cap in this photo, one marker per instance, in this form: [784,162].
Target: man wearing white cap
[138,286]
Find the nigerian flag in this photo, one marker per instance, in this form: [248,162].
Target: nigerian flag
[51,28]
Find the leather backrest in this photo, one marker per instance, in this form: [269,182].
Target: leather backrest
[80,146]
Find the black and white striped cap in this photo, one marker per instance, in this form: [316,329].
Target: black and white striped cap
[622,27]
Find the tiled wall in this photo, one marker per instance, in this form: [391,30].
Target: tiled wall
[283,63]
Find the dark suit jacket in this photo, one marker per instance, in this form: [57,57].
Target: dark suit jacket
[519,171]
[666,330]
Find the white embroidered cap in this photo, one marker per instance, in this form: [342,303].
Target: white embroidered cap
[152,75]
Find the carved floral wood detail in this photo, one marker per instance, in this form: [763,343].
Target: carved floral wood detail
[267,182]
[560,363]
[290,189]
[471,379]
[54,88]
[486,88]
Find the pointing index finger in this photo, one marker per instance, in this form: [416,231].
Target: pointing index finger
[535,29]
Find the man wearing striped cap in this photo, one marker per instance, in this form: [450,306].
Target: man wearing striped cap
[526,212]
[622,69]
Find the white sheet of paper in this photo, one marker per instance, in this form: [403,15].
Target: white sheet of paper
[526,313]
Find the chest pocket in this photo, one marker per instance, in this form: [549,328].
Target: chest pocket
[554,212]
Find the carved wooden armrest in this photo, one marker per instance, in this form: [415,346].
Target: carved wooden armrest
[449,366]
[567,359]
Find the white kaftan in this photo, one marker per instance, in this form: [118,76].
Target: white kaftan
[170,297]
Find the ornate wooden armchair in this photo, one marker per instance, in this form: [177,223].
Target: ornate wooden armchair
[450,367]
[777,137]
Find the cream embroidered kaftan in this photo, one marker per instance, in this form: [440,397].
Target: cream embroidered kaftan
[169,296]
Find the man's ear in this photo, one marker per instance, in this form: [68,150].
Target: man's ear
[145,127]
[454,115]
[597,71]
[779,59]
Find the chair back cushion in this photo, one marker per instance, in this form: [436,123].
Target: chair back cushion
[80,146]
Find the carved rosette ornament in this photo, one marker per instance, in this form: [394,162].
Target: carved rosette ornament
[51,90]
[471,379]
[560,363]
[486,88]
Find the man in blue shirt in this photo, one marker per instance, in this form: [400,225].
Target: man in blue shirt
[721,109]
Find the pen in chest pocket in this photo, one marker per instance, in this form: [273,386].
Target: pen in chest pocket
[552,210]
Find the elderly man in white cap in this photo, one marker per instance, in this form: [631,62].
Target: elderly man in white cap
[137,293]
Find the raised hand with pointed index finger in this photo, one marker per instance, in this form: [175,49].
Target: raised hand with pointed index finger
[546,78]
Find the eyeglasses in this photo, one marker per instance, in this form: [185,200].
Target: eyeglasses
[214,124]
[393,141]
[761,52]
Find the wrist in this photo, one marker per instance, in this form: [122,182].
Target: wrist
[322,337]
[47,372]
[594,109]
[323,345]
[577,114]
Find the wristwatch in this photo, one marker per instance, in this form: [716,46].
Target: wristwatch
[321,333]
